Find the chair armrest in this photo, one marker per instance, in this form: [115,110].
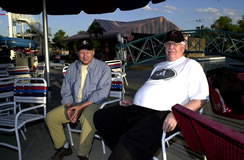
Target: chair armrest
[8,106]
[29,109]
[171,136]
[109,102]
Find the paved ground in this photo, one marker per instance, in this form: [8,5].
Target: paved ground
[39,144]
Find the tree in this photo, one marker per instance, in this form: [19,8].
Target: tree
[201,31]
[241,25]
[95,29]
[58,40]
[28,32]
[223,23]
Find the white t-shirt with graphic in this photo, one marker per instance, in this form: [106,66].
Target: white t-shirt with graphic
[173,82]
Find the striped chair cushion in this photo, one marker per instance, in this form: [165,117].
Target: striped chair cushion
[36,91]
[17,72]
[6,87]
[116,86]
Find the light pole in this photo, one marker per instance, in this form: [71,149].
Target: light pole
[200,36]
[200,21]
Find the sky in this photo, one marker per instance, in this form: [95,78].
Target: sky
[186,14]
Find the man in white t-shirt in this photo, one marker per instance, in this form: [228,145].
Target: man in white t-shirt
[133,130]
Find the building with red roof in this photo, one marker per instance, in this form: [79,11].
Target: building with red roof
[118,31]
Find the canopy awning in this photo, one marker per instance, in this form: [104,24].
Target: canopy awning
[58,7]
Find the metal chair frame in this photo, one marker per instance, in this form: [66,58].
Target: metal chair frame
[165,140]
[7,87]
[117,66]
[28,90]
[64,70]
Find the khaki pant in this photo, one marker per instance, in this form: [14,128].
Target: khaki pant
[55,120]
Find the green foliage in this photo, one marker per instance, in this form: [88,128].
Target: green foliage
[201,32]
[241,25]
[50,45]
[225,23]
[95,29]
[96,44]
[58,40]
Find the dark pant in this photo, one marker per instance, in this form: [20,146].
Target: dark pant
[132,133]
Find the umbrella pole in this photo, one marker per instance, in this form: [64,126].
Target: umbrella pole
[45,33]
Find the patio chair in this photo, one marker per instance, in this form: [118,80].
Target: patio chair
[218,104]
[64,70]
[4,66]
[30,94]
[40,70]
[4,73]
[184,120]
[218,140]
[117,66]
[4,70]
[192,145]
[116,95]
[19,71]
[6,95]
[6,88]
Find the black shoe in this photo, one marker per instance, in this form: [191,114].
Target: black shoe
[83,158]
[61,153]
